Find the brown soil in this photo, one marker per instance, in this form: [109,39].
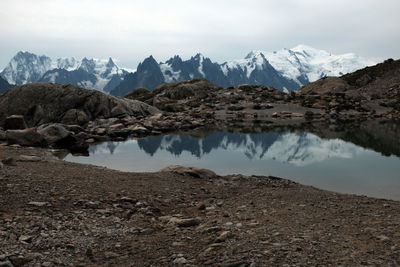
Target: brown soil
[55,213]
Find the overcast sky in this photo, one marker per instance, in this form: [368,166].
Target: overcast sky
[220,29]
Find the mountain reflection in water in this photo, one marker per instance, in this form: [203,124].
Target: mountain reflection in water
[295,148]
[331,164]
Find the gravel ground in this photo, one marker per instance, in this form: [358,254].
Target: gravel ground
[55,213]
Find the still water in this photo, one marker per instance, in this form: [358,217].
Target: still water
[331,164]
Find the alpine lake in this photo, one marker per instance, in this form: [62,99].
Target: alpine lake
[362,159]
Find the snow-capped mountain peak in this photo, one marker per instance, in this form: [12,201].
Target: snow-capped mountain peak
[254,54]
[305,64]
[67,63]
[26,67]
[255,60]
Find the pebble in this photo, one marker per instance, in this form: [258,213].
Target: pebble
[25,238]
[201,206]
[8,161]
[38,204]
[180,260]
[29,158]
[110,255]
[223,237]
[187,222]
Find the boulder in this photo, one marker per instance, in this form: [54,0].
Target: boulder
[191,171]
[75,116]
[54,133]
[26,137]
[15,122]
[41,103]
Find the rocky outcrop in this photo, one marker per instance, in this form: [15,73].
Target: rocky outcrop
[43,103]
[175,96]
[371,89]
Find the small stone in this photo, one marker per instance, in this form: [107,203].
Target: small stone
[275,115]
[29,158]
[127,199]
[100,131]
[93,204]
[89,253]
[178,244]
[187,222]
[8,161]
[147,231]
[201,206]
[223,237]
[212,229]
[25,238]
[180,260]
[110,255]
[383,238]
[38,204]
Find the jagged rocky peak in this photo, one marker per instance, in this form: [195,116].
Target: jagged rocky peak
[26,67]
[88,65]
[198,57]
[174,60]
[148,63]
[110,63]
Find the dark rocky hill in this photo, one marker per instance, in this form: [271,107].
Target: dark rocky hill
[365,89]
[41,103]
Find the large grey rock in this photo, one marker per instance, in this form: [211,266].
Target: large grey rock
[54,133]
[191,171]
[26,137]
[41,103]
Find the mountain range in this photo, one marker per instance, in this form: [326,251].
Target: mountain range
[286,69]
[97,74]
